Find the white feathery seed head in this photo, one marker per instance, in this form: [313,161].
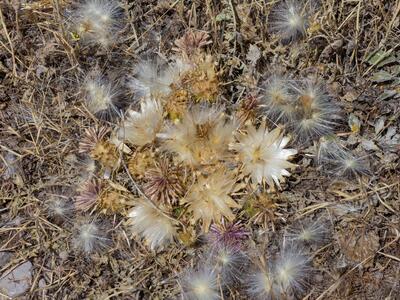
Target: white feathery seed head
[100,96]
[89,236]
[209,198]
[201,137]
[317,114]
[200,284]
[230,262]
[154,78]
[263,154]
[278,99]
[59,206]
[335,159]
[98,21]
[150,223]
[289,20]
[261,285]
[140,128]
[291,271]
[307,233]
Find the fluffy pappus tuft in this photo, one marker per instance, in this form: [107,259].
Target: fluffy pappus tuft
[201,137]
[229,261]
[140,128]
[152,224]
[58,203]
[316,113]
[153,78]
[200,284]
[89,236]
[101,97]
[263,154]
[335,159]
[260,284]
[209,198]
[98,21]
[278,99]
[307,233]
[291,270]
[289,20]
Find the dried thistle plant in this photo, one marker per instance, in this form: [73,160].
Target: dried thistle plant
[89,195]
[163,183]
[191,42]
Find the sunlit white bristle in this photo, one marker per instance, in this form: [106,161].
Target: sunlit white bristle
[307,233]
[59,206]
[200,284]
[263,154]
[150,223]
[316,113]
[89,236]
[154,78]
[335,159]
[98,21]
[278,100]
[288,20]
[100,96]
[140,128]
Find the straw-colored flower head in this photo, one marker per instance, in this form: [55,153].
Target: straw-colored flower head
[163,183]
[140,161]
[98,21]
[263,155]
[209,198]
[140,128]
[202,137]
[157,229]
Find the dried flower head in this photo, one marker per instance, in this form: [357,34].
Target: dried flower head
[248,109]
[97,21]
[278,99]
[99,148]
[289,20]
[89,195]
[316,113]
[201,138]
[141,128]
[263,155]
[112,201]
[202,81]
[200,284]
[228,234]
[191,42]
[163,183]
[209,198]
[140,161]
[152,224]
[89,236]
